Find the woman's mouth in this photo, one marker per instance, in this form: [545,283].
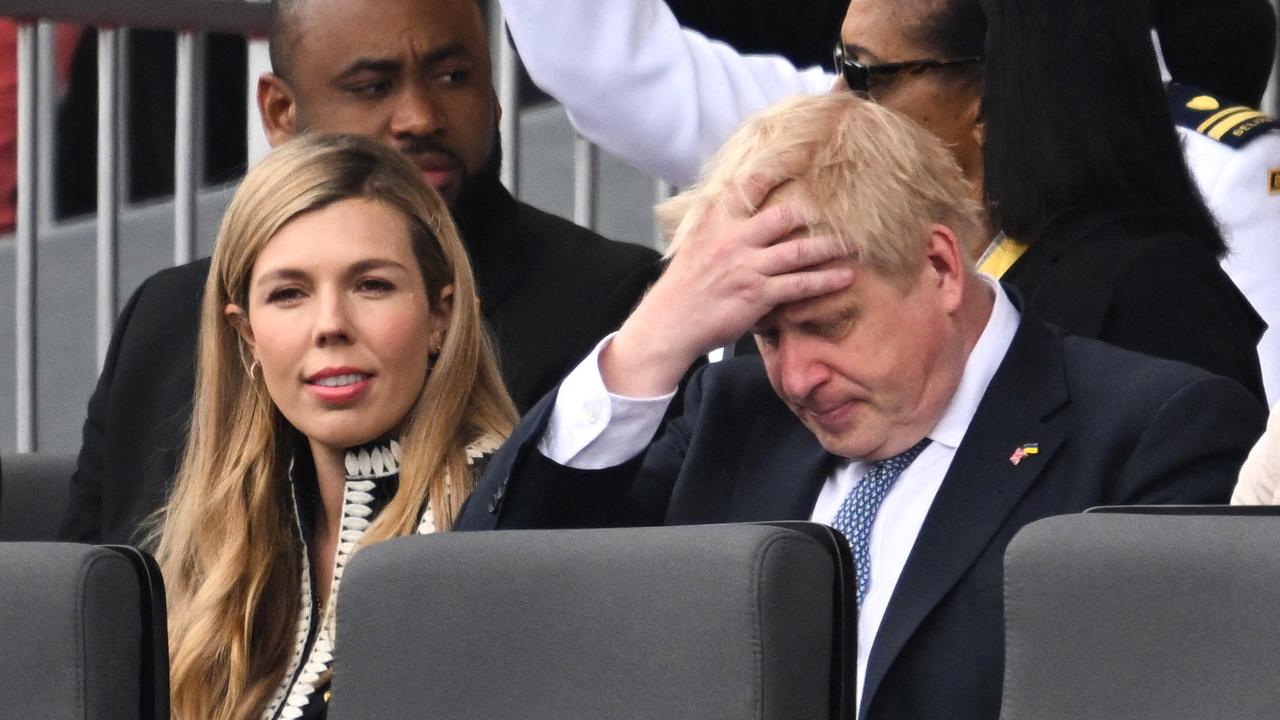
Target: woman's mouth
[339,386]
[337,381]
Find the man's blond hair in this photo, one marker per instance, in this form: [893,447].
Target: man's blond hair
[873,180]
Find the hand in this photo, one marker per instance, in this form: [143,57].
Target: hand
[732,270]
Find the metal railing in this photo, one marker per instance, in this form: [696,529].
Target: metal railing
[189,20]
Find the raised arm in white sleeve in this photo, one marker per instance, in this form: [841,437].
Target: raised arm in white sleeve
[591,428]
[634,82]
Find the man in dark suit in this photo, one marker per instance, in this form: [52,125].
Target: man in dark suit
[899,396]
[415,74]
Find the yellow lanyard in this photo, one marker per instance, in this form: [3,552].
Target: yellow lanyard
[1001,254]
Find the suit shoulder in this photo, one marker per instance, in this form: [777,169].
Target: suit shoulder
[1166,270]
[1141,244]
[1223,121]
[178,282]
[164,312]
[575,247]
[1107,373]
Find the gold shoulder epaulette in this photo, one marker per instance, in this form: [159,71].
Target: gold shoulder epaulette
[1228,123]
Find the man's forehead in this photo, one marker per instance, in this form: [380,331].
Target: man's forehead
[840,301]
[338,32]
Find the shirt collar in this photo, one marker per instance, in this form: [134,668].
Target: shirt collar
[979,368]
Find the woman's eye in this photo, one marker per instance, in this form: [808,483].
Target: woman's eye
[284,295]
[375,286]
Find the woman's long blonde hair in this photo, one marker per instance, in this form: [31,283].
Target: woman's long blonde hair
[226,539]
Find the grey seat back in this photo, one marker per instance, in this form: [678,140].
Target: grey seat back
[1143,616]
[709,622]
[81,633]
[1220,510]
[34,490]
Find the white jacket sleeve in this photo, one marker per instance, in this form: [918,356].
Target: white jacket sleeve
[634,82]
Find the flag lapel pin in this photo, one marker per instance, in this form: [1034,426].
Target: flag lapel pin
[1023,452]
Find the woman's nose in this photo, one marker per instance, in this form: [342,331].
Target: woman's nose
[333,321]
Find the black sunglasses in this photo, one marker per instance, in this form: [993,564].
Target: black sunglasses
[858,76]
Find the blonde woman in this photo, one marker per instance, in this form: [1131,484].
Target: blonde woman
[346,394]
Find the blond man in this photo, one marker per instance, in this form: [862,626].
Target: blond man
[899,396]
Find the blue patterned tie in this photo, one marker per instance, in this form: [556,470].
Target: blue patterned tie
[858,511]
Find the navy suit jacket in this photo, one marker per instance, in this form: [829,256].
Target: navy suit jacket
[1113,427]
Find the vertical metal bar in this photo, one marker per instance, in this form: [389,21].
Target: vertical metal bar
[46,122]
[187,145]
[662,191]
[124,101]
[24,270]
[508,73]
[108,183]
[586,181]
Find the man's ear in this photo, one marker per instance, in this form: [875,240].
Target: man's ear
[945,256]
[238,319]
[278,108]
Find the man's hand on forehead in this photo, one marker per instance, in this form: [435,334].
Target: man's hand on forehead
[731,270]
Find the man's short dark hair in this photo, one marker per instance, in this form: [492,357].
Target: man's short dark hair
[284,26]
[284,21]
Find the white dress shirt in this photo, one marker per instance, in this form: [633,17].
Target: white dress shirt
[591,428]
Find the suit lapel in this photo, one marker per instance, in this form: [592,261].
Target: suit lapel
[980,489]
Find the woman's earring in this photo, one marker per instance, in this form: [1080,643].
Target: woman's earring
[249,368]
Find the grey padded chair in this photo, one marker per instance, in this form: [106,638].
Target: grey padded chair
[1143,616]
[34,490]
[82,633]
[1226,510]
[710,622]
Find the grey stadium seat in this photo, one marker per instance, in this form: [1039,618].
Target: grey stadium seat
[714,622]
[34,489]
[1143,617]
[82,633]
